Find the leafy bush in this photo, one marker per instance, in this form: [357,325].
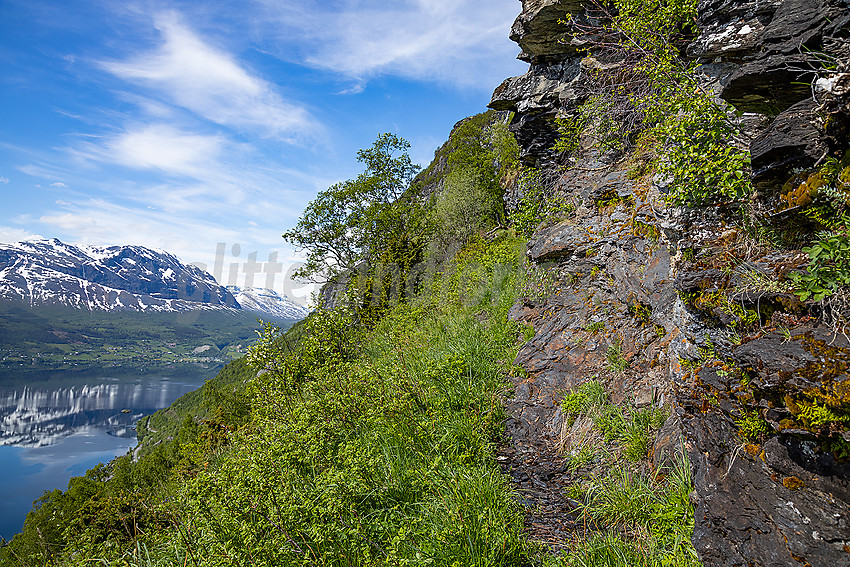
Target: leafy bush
[829,265]
[654,100]
[465,206]
[537,204]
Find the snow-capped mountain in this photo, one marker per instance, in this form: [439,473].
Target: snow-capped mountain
[112,278]
[267,302]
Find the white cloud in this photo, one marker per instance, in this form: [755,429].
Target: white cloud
[209,82]
[165,148]
[455,41]
[4,180]
[58,185]
[12,234]
[193,239]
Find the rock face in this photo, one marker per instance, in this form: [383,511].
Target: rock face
[766,57]
[749,375]
[555,69]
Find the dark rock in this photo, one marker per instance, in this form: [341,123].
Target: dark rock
[809,358]
[746,513]
[790,455]
[668,449]
[536,134]
[768,85]
[557,242]
[783,501]
[697,280]
[791,141]
[542,88]
[538,31]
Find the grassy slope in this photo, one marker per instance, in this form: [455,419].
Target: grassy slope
[381,453]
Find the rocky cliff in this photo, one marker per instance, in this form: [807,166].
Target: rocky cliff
[703,312]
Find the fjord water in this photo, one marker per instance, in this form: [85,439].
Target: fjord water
[60,426]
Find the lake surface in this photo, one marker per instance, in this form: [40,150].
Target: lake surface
[53,429]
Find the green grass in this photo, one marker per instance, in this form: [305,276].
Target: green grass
[638,518]
[642,521]
[362,447]
[614,355]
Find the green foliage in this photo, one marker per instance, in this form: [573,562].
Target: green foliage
[465,206]
[569,132]
[701,165]
[582,399]
[488,152]
[816,416]
[361,448]
[537,205]
[829,265]
[632,432]
[614,355]
[753,426]
[595,327]
[384,457]
[641,312]
[661,106]
[481,270]
[368,214]
[644,519]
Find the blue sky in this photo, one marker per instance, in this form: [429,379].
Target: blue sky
[182,124]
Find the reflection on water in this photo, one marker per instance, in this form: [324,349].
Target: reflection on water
[35,416]
[54,429]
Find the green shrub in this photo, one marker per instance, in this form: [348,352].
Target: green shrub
[829,265]
[583,398]
[538,204]
[464,207]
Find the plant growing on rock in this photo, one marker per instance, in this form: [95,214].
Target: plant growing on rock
[827,276]
[658,103]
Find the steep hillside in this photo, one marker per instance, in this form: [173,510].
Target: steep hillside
[614,339]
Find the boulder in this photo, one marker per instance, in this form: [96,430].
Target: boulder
[557,241]
[792,141]
[755,514]
[538,30]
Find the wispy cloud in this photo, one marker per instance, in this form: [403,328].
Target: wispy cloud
[13,234]
[455,41]
[100,222]
[4,180]
[156,146]
[206,80]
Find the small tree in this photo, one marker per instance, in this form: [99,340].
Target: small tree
[369,217]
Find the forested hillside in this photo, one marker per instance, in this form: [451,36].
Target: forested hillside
[606,326]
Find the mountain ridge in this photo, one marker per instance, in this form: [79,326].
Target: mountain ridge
[122,278]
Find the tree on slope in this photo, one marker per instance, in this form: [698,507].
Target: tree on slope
[369,217]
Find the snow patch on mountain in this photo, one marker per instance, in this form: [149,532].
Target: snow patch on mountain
[110,278]
[268,302]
